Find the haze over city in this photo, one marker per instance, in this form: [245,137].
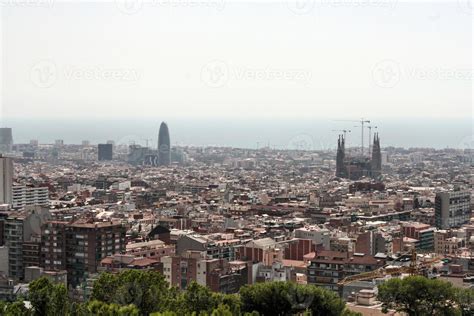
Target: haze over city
[236,158]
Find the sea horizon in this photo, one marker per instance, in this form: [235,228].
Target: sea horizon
[277,133]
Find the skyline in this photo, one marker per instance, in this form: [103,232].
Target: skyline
[282,134]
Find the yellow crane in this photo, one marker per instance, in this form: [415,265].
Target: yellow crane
[414,268]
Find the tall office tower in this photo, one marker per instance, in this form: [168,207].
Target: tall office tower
[376,163]
[86,143]
[452,209]
[341,169]
[105,152]
[6,180]
[164,145]
[6,140]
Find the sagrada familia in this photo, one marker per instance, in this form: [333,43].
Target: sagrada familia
[354,168]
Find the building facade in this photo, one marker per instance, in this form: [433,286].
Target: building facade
[452,209]
[105,152]
[28,195]
[6,180]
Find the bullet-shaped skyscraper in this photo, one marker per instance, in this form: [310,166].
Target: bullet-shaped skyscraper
[164,145]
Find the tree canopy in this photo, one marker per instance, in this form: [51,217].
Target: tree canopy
[136,293]
[417,295]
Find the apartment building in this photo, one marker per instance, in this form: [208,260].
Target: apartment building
[329,267]
[423,233]
[21,231]
[26,196]
[79,246]
[23,195]
[218,274]
[447,244]
[452,209]
[87,243]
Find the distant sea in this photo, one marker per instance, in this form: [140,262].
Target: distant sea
[308,134]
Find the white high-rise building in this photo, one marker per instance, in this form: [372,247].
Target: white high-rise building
[25,196]
[6,180]
[452,209]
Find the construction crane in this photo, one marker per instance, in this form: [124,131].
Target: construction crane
[345,131]
[414,268]
[146,141]
[362,121]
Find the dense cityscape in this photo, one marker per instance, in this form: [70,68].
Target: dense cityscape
[347,220]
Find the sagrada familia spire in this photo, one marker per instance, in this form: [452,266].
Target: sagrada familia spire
[376,163]
[357,167]
[341,170]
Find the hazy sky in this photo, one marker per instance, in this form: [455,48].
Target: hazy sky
[212,58]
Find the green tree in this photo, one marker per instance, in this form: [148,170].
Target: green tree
[465,301]
[39,295]
[47,298]
[198,298]
[144,289]
[289,298]
[417,295]
[103,309]
[58,304]
[16,308]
